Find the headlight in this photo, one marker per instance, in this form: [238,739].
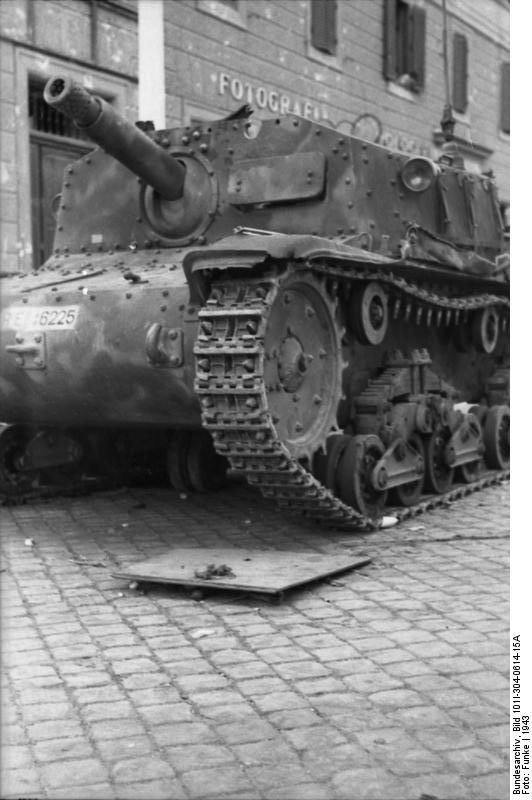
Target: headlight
[419,173]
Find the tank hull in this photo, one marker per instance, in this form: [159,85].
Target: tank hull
[104,351]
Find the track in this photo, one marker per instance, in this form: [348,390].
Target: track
[231,366]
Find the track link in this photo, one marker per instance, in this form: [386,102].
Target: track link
[230,383]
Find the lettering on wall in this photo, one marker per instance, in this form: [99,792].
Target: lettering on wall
[259,96]
[365,126]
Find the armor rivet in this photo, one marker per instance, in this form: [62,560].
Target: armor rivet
[185,139]
[298,427]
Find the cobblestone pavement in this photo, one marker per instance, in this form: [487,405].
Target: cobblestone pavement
[387,682]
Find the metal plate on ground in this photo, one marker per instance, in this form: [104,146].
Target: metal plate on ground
[268,571]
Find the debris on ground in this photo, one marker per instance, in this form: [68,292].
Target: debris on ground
[388,522]
[29,542]
[199,634]
[212,571]
[83,562]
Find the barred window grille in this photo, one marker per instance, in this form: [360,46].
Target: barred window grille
[45,119]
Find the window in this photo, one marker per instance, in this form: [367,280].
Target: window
[404,44]
[323,26]
[505,97]
[232,11]
[460,73]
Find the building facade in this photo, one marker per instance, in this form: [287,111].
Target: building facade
[94,41]
[374,68]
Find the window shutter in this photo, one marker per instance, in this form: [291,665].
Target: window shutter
[416,46]
[323,25]
[389,40]
[505,97]
[459,72]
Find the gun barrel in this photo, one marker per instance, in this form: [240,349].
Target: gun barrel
[117,136]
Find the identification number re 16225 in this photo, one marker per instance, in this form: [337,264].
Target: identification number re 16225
[20,318]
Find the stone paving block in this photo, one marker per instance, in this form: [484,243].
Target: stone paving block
[286,773]
[279,701]
[116,728]
[472,761]
[71,773]
[195,756]
[419,716]
[47,711]
[493,786]
[267,751]
[216,697]
[294,718]
[169,712]
[290,670]
[228,781]
[312,738]
[252,730]
[367,783]
[187,733]
[55,729]
[57,749]
[452,787]
[94,712]
[156,695]
[141,768]
[300,791]
[128,747]
[19,783]
[249,669]
[16,756]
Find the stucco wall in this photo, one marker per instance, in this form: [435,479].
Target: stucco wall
[55,36]
[266,48]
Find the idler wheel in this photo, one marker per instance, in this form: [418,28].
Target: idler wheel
[369,313]
[439,476]
[497,437]
[408,494]
[354,475]
[13,480]
[485,330]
